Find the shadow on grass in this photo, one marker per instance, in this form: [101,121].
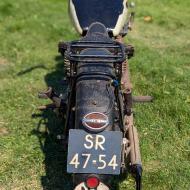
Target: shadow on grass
[41,66]
[55,161]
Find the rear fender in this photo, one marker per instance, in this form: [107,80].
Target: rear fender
[82,186]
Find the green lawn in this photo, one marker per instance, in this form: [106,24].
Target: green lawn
[30,157]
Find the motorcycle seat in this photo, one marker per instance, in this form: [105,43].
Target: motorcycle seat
[111,13]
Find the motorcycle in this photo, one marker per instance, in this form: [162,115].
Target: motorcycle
[99,134]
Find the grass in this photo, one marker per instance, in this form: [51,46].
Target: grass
[31,158]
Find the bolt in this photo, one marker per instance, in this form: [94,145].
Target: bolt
[94,102]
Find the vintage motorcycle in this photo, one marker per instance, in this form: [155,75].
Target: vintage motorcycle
[99,131]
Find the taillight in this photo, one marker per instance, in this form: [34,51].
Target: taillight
[95,121]
[92,182]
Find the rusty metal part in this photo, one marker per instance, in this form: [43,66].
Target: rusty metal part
[49,93]
[131,21]
[46,107]
[125,80]
[120,39]
[62,47]
[46,94]
[126,85]
[131,131]
[125,152]
[67,66]
[142,99]
[131,16]
[135,156]
[128,102]
[129,51]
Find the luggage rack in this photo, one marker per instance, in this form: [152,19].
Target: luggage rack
[117,51]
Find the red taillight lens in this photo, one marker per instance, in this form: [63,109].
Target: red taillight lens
[92,182]
[95,121]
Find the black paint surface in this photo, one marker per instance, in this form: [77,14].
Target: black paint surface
[104,11]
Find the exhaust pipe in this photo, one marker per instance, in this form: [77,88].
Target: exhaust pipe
[135,156]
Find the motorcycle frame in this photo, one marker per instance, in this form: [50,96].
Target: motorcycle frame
[131,142]
[131,158]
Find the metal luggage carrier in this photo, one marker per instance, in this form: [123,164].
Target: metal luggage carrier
[117,52]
